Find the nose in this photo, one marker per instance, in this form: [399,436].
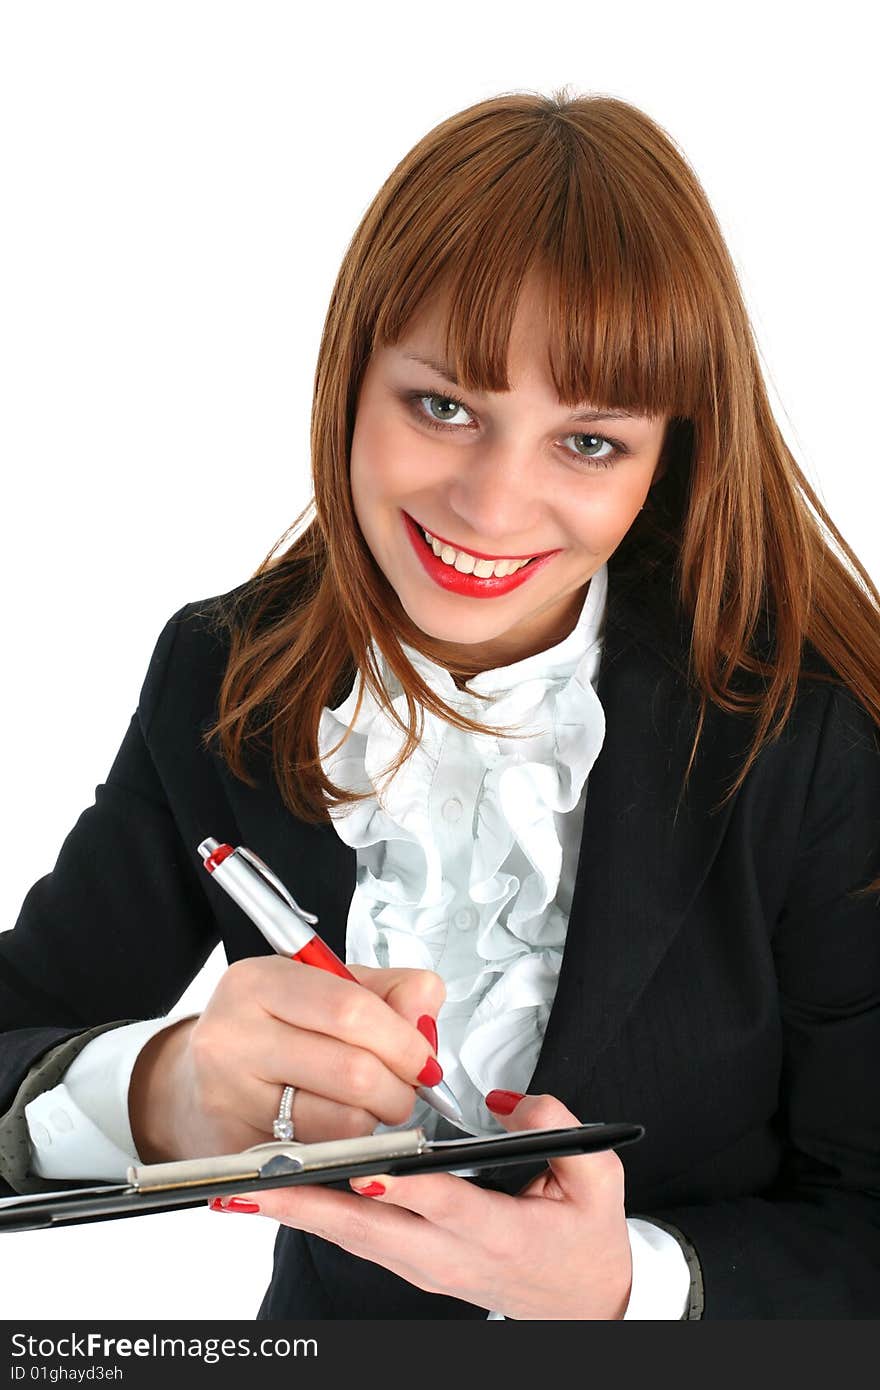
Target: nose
[496,496]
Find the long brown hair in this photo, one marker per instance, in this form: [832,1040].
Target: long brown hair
[645,313]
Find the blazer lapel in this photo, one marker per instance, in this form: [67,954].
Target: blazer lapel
[642,859]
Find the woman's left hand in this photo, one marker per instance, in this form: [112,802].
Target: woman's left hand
[557,1250]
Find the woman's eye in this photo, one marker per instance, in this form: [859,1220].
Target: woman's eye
[445,416]
[594,441]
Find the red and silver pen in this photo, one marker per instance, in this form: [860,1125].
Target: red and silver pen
[289,929]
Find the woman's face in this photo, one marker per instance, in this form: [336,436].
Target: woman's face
[505,475]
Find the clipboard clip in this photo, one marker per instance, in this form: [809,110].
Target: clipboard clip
[275,1159]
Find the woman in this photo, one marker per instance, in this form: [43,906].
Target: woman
[600,840]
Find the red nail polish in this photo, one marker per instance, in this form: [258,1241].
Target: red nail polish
[233,1204]
[428,1028]
[503,1102]
[372,1189]
[431,1072]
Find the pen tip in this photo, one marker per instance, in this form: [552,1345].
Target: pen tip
[451,1107]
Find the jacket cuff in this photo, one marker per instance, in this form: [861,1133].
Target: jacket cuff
[696,1297]
[46,1072]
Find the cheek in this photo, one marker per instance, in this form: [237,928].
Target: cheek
[368,471]
[605,516]
[386,460]
[362,457]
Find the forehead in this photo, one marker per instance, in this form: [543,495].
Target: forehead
[443,369]
[520,339]
[528,319]
[425,341]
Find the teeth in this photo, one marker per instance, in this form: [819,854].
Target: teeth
[466,564]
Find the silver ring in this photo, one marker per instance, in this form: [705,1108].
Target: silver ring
[282,1128]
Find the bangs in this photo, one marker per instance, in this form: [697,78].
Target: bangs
[629,308]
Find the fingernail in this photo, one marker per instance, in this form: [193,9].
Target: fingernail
[503,1102]
[233,1204]
[372,1189]
[431,1072]
[427,1026]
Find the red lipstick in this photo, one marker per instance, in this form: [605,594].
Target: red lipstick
[470,585]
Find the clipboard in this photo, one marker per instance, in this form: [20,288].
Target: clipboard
[157,1187]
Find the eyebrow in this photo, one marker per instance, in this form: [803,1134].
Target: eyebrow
[444,370]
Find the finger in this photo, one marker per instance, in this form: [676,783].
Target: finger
[327,1004]
[416,995]
[411,993]
[581,1177]
[314,1117]
[282,1054]
[343,1218]
[448,1202]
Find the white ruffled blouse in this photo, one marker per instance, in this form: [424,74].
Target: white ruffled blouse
[466,859]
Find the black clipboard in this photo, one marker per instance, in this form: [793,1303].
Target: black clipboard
[158,1187]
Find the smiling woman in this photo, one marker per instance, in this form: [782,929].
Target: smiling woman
[645,890]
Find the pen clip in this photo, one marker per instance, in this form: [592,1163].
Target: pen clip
[273,881]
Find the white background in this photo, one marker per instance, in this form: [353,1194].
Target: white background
[179,182]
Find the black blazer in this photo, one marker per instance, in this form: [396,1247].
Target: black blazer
[717,984]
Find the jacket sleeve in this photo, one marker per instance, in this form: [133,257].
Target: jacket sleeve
[809,1247]
[81,1126]
[112,935]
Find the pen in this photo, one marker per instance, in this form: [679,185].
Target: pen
[290,930]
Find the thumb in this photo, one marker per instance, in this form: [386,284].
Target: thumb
[578,1175]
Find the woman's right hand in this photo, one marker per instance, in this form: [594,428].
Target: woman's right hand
[213,1084]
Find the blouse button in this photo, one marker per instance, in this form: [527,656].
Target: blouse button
[464,918]
[452,808]
[61,1120]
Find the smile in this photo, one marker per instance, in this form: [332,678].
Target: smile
[441,543]
[468,573]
